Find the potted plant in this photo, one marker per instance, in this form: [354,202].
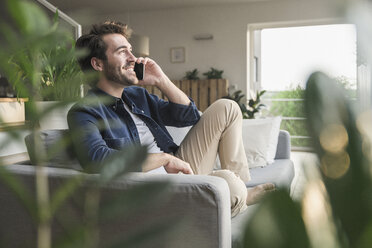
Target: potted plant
[213,74]
[254,105]
[192,75]
[58,81]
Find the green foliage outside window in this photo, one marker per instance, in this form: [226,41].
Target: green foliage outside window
[295,108]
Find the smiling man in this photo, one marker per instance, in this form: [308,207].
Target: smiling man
[132,115]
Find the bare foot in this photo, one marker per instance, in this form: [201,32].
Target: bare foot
[255,194]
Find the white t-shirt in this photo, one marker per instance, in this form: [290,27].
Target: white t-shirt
[146,138]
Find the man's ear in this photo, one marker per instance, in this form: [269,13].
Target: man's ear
[96,63]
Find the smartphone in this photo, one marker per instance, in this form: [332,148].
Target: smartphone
[139,69]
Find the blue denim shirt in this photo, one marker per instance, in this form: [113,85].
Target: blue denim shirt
[106,127]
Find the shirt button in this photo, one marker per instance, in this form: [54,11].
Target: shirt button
[142,111]
[114,107]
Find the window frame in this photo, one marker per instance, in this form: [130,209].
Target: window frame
[364,87]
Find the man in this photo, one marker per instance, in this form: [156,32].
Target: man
[132,115]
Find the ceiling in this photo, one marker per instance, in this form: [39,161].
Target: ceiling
[123,6]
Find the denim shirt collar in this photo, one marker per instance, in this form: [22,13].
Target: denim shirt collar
[112,101]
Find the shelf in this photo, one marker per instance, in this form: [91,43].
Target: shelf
[13,99]
[14,125]
[14,158]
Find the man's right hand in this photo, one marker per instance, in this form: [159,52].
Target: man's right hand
[176,165]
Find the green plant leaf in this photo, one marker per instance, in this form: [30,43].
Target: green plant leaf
[130,159]
[213,74]
[29,17]
[192,75]
[276,223]
[20,191]
[64,192]
[345,168]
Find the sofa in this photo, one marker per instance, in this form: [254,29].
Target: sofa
[201,204]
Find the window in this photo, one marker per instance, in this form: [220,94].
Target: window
[285,59]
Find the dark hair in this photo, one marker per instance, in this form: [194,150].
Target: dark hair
[94,43]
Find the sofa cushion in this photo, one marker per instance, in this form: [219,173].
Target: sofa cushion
[260,139]
[281,173]
[56,146]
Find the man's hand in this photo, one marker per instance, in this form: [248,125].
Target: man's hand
[155,76]
[176,165]
[171,163]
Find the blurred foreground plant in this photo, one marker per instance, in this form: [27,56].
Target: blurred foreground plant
[336,209]
[30,55]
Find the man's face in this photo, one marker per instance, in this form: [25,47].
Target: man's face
[120,61]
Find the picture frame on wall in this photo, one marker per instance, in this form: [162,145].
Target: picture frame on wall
[177,54]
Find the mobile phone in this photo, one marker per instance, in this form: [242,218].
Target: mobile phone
[139,69]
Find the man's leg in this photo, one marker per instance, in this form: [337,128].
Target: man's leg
[218,130]
[238,190]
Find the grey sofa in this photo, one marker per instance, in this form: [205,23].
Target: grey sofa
[202,202]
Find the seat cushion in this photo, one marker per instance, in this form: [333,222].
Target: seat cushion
[281,173]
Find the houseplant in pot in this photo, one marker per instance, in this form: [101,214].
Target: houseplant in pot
[56,85]
[254,106]
[60,82]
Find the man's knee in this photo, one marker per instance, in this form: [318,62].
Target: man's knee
[238,190]
[230,106]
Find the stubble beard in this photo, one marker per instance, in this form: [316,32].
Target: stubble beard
[115,74]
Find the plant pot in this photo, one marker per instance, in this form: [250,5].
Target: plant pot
[55,119]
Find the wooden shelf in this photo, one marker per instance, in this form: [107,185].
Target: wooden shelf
[13,99]
[14,158]
[12,125]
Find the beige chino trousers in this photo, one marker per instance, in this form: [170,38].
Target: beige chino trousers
[219,131]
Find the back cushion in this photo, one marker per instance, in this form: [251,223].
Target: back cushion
[52,147]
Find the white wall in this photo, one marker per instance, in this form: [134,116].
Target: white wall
[228,24]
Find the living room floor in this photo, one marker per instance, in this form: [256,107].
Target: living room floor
[300,160]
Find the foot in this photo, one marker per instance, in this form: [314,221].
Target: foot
[255,194]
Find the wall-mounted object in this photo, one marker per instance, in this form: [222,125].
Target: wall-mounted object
[177,55]
[140,45]
[203,37]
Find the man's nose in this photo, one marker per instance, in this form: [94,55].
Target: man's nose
[131,57]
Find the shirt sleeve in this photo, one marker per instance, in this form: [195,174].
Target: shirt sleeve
[178,115]
[90,147]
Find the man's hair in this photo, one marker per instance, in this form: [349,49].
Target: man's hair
[94,43]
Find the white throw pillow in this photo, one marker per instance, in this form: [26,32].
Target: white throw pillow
[260,139]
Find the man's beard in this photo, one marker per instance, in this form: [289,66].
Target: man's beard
[115,74]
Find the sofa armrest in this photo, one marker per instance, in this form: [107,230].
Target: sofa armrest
[201,202]
[283,150]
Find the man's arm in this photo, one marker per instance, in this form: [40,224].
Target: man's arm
[155,76]
[170,163]
[92,149]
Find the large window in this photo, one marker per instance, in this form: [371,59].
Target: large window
[285,57]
